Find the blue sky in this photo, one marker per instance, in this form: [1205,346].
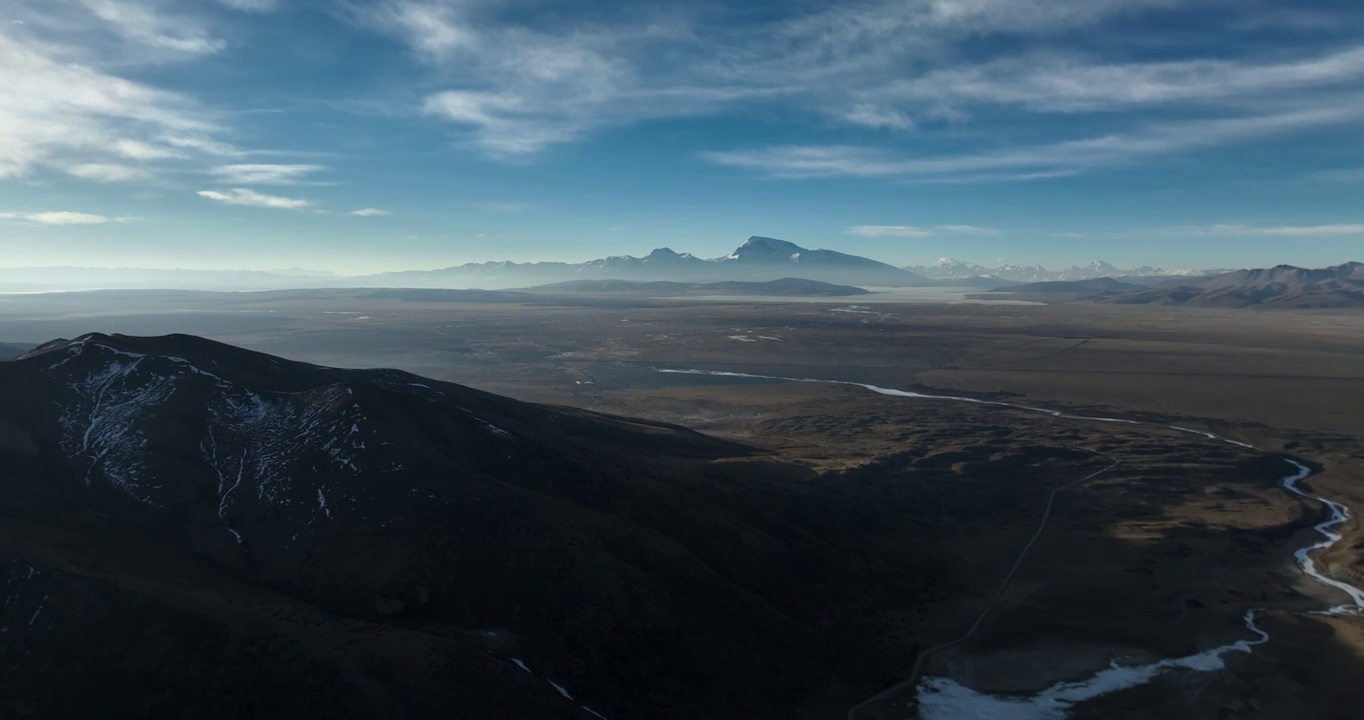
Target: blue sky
[367,135]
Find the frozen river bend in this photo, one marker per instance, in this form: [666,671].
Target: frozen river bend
[942,698]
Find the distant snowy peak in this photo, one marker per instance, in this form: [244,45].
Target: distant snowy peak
[662,259]
[1095,269]
[668,255]
[765,249]
[758,250]
[953,268]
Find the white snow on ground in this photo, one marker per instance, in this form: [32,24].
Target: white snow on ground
[225,492]
[1339,514]
[39,611]
[261,436]
[15,581]
[494,430]
[253,441]
[322,503]
[753,338]
[1211,436]
[98,426]
[903,393]
[20,577]
[562,690]
[946,699]
[194,368]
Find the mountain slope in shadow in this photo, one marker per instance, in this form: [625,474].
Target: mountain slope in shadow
[191,527]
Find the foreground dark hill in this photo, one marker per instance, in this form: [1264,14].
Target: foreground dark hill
[785,287]
[1285,286]
[194,529]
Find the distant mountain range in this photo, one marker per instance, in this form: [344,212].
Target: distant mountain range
[788,287]
[1097,285]
[759,259]
[952,269]
[60,279]
[1284,286]
[8,350]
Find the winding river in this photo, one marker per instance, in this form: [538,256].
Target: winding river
[945,699]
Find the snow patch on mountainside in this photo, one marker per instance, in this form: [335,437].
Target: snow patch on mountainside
[99,423]
[26,592]
[265,436]
[254,443]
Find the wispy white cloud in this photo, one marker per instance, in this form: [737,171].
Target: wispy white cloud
[522,88]
[997,177]
[204,144]
[1349,230]
[61,111]
[888,231]
[1051,82]
[1341,175]
[70,105]
[873,116]
[912,231]
[107,172]
[139,150]
[142,23]
[508,206]
[370,212]
[58,217]
[265,174]
[515,87]
[1067,156]
[251,198]
[967,230]
[259,6]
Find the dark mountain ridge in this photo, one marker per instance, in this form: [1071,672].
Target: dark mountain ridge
[294,540]
[1289,275]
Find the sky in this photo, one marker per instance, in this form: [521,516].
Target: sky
[358,136]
